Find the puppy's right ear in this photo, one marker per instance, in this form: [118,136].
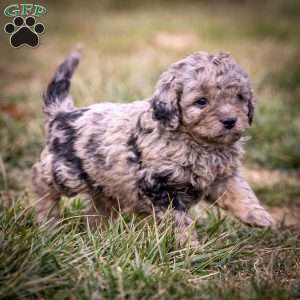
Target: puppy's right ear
[164,103]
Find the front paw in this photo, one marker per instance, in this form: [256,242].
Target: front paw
[259,217]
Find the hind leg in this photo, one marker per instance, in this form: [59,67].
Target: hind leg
[101,210]
[47,198]
[93,215]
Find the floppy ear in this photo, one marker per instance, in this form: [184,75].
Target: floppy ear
[165,100]
[251,108]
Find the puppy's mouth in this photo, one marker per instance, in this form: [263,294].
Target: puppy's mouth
[220,139]
[228,137]
[227,134]
[224,138]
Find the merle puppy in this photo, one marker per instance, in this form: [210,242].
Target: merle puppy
[181,145]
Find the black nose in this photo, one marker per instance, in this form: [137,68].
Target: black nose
[229,123]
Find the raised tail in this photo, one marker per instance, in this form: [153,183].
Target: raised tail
[57,97]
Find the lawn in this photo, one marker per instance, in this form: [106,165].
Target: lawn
[126,45]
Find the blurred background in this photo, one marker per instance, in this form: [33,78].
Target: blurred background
[127,44]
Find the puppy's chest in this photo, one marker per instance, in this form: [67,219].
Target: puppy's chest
[183,178]
[205,168]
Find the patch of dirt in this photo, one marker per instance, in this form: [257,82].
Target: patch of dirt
[175,41]
[13,111]
[287,216]
[265,177]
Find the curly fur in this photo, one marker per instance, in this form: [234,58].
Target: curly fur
[167,151]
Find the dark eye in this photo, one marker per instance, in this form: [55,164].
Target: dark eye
[201,102]
[240,97]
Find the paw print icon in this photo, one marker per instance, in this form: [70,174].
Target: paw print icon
[24,31]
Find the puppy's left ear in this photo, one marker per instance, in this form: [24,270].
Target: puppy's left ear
[165,101]
[251,109]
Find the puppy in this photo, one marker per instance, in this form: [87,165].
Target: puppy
[181,145]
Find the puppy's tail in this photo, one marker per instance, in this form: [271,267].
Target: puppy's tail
[57,98]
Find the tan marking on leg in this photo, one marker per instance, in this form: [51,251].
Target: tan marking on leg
[240,200]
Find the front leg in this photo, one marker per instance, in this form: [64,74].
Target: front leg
[169,189]
[236,196]
[185,232]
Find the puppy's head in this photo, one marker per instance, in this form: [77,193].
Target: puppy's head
[207,95]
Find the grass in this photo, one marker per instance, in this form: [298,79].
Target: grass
[126,45]
[136,259]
